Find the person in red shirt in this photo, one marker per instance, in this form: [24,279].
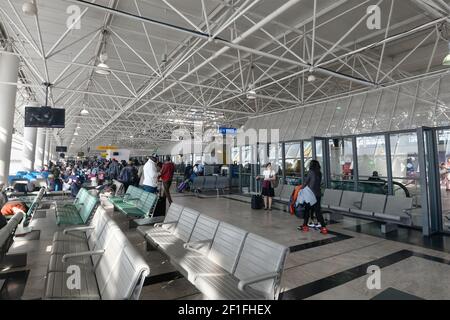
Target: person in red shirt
[166,176]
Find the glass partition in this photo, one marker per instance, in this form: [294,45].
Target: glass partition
[293,163]
[307,155]
[443,137]
[371,157]
[276,158]
[406,171]
[341,164]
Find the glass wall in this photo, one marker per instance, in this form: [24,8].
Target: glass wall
[276,158]
[293,163]
[406,170]
[443,143]
[371,157]
[307,155]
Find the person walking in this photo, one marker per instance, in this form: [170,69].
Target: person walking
[150,183]
[269,177]
[166,176]
[314,181]
[126,175]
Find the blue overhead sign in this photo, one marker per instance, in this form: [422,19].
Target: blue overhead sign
[227,131]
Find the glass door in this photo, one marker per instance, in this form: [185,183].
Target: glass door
[443,151]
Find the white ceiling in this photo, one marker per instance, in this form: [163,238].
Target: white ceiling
[148,99]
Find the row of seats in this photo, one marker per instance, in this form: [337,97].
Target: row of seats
[284,192]
[209,183]
[79,212]
[110,266]
[222,261]
[136,203]
[373,206]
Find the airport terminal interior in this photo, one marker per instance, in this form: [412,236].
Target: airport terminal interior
[225,150]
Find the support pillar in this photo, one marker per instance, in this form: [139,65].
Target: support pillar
[29,148]
[47,148]
[40,150]
[9,70]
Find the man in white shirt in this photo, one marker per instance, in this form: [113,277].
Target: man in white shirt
[151,175]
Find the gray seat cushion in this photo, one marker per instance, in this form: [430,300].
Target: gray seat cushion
[60,236]
[56,287]
[63,247]
[56,264]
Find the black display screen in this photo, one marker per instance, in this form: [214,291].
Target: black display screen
[44,117]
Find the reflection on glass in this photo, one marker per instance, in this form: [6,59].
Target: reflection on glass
[405,169]
[275,158]
[235,155]
[341,159]
[293,160]
[371,157]
[443,137]
[307,154]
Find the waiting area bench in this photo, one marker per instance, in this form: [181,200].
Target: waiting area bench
[221,260]
[210,183]
[79,212]
[109,265]
[136,203]
[390,210]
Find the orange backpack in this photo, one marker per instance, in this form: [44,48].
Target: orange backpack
[294,199]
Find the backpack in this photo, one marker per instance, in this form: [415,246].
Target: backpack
[125,175]
[293,200]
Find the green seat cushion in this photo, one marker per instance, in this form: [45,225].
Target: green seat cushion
[135,212]
[69,220]
[67,211]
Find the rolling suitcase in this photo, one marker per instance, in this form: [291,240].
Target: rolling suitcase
[160,210]
[257,202]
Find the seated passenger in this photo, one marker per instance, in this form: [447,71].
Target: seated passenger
[375,177]
[8,208]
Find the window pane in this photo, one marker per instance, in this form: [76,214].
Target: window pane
[371,156]
[405,169]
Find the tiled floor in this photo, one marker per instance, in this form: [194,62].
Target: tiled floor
[320,267]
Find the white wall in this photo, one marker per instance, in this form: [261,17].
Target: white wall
[124,154]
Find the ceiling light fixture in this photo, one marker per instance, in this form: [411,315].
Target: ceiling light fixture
[29,8]
[76,133]
[446,61]
[102,67]
[251,93]
[84,112]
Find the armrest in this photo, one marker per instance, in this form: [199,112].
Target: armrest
[246,282]
[159,225]
[78,229]
[82,254]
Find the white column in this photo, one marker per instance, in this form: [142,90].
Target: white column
[47,147]
[9,70]
[29,148]
[40,150]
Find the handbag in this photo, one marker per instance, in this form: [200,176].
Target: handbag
[275,183]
